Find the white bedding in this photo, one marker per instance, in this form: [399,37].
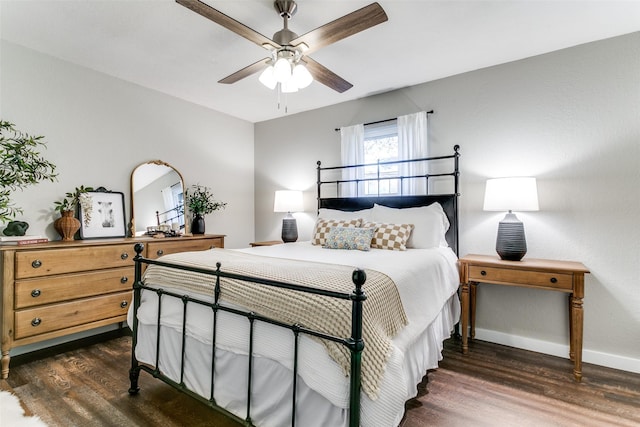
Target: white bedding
[427,280]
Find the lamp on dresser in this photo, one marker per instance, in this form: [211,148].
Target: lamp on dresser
[511,194]
[288,201]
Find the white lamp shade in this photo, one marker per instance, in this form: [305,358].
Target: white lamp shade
[302,76]
[267,78]
[282,70]
[511,194]
[289,86]
[288,201]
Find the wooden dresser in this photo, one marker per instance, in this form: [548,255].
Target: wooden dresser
[59,288]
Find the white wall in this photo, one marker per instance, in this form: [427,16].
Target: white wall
[99,128]
[572,119]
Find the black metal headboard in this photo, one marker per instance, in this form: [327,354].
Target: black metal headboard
[449,201]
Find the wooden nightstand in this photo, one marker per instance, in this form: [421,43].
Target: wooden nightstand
[563,276]
[266,243]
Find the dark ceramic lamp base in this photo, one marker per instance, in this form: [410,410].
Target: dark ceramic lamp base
[289,229]
[511,244]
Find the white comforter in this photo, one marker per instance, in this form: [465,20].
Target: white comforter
[427,280]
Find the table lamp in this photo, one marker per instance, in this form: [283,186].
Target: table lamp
[288,201]
[511,194]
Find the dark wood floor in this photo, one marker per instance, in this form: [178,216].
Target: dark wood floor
[492,386]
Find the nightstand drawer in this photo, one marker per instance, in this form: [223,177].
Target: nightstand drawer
[521,277]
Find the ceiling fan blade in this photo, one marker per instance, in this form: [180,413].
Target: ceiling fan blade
[246,71]
[341,28]
[327,77]
[229,23]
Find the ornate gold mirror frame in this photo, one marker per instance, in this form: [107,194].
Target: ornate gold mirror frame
[157,198]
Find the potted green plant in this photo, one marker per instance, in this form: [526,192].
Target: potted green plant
[200,201]
[67,225]
[21,165]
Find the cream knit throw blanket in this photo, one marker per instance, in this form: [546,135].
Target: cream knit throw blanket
[383,314]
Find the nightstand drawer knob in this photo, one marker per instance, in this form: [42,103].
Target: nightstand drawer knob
[36,264]
[483,273]
[124,279]
[160,252]
[35,293]
[554,280]
[123,304]
[36,321]
[124,255]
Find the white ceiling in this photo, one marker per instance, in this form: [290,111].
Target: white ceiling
[161,45]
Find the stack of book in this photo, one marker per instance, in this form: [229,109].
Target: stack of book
[23,240]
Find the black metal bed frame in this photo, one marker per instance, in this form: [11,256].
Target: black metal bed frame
[449,201]
[354,343]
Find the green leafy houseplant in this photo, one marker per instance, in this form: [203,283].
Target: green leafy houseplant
[21,165]
[200,200]
[79,197]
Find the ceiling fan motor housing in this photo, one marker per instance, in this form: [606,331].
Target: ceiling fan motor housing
[284,37]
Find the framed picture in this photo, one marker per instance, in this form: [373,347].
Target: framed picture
[105,218]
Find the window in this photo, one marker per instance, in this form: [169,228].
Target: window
[393,140]
[381,145]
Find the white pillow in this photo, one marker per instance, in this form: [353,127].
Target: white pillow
[363,214]
[430,223]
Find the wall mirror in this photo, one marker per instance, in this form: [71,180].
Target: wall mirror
[157,198]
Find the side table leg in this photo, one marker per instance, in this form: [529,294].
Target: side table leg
[572,350]
[577,317]
[473,289]
[464,324]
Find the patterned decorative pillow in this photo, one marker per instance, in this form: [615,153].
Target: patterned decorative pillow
[390,236]
[349,238]
[323,227]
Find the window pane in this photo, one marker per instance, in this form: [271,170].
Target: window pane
[381,145]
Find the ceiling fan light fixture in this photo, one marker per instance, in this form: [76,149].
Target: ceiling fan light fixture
[282,70]
[267,78]
[289,86]
[301,76]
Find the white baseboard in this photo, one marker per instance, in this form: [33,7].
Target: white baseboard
[561,350]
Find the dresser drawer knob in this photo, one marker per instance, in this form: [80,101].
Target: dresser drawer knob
[160,252]
[36,263]
[554,280]
[35,293]
[124,279]
[36,321]
[483,273]
[124,255]
[123,304]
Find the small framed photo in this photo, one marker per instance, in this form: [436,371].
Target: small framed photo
[105,217]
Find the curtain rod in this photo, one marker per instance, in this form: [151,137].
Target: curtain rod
[382,121]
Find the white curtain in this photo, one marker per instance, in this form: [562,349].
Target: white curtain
[352,152]
[167,198]
[412,144]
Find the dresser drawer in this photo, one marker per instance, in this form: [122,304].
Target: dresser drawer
[39,320]
[45,262]
[170,246]
[47,290]
[521,277]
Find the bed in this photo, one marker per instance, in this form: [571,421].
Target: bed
[309,333]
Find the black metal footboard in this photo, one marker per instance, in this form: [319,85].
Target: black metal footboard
[354,343]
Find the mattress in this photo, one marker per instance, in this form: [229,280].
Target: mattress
[427,281]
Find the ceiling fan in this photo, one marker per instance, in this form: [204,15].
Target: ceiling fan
[288,51]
